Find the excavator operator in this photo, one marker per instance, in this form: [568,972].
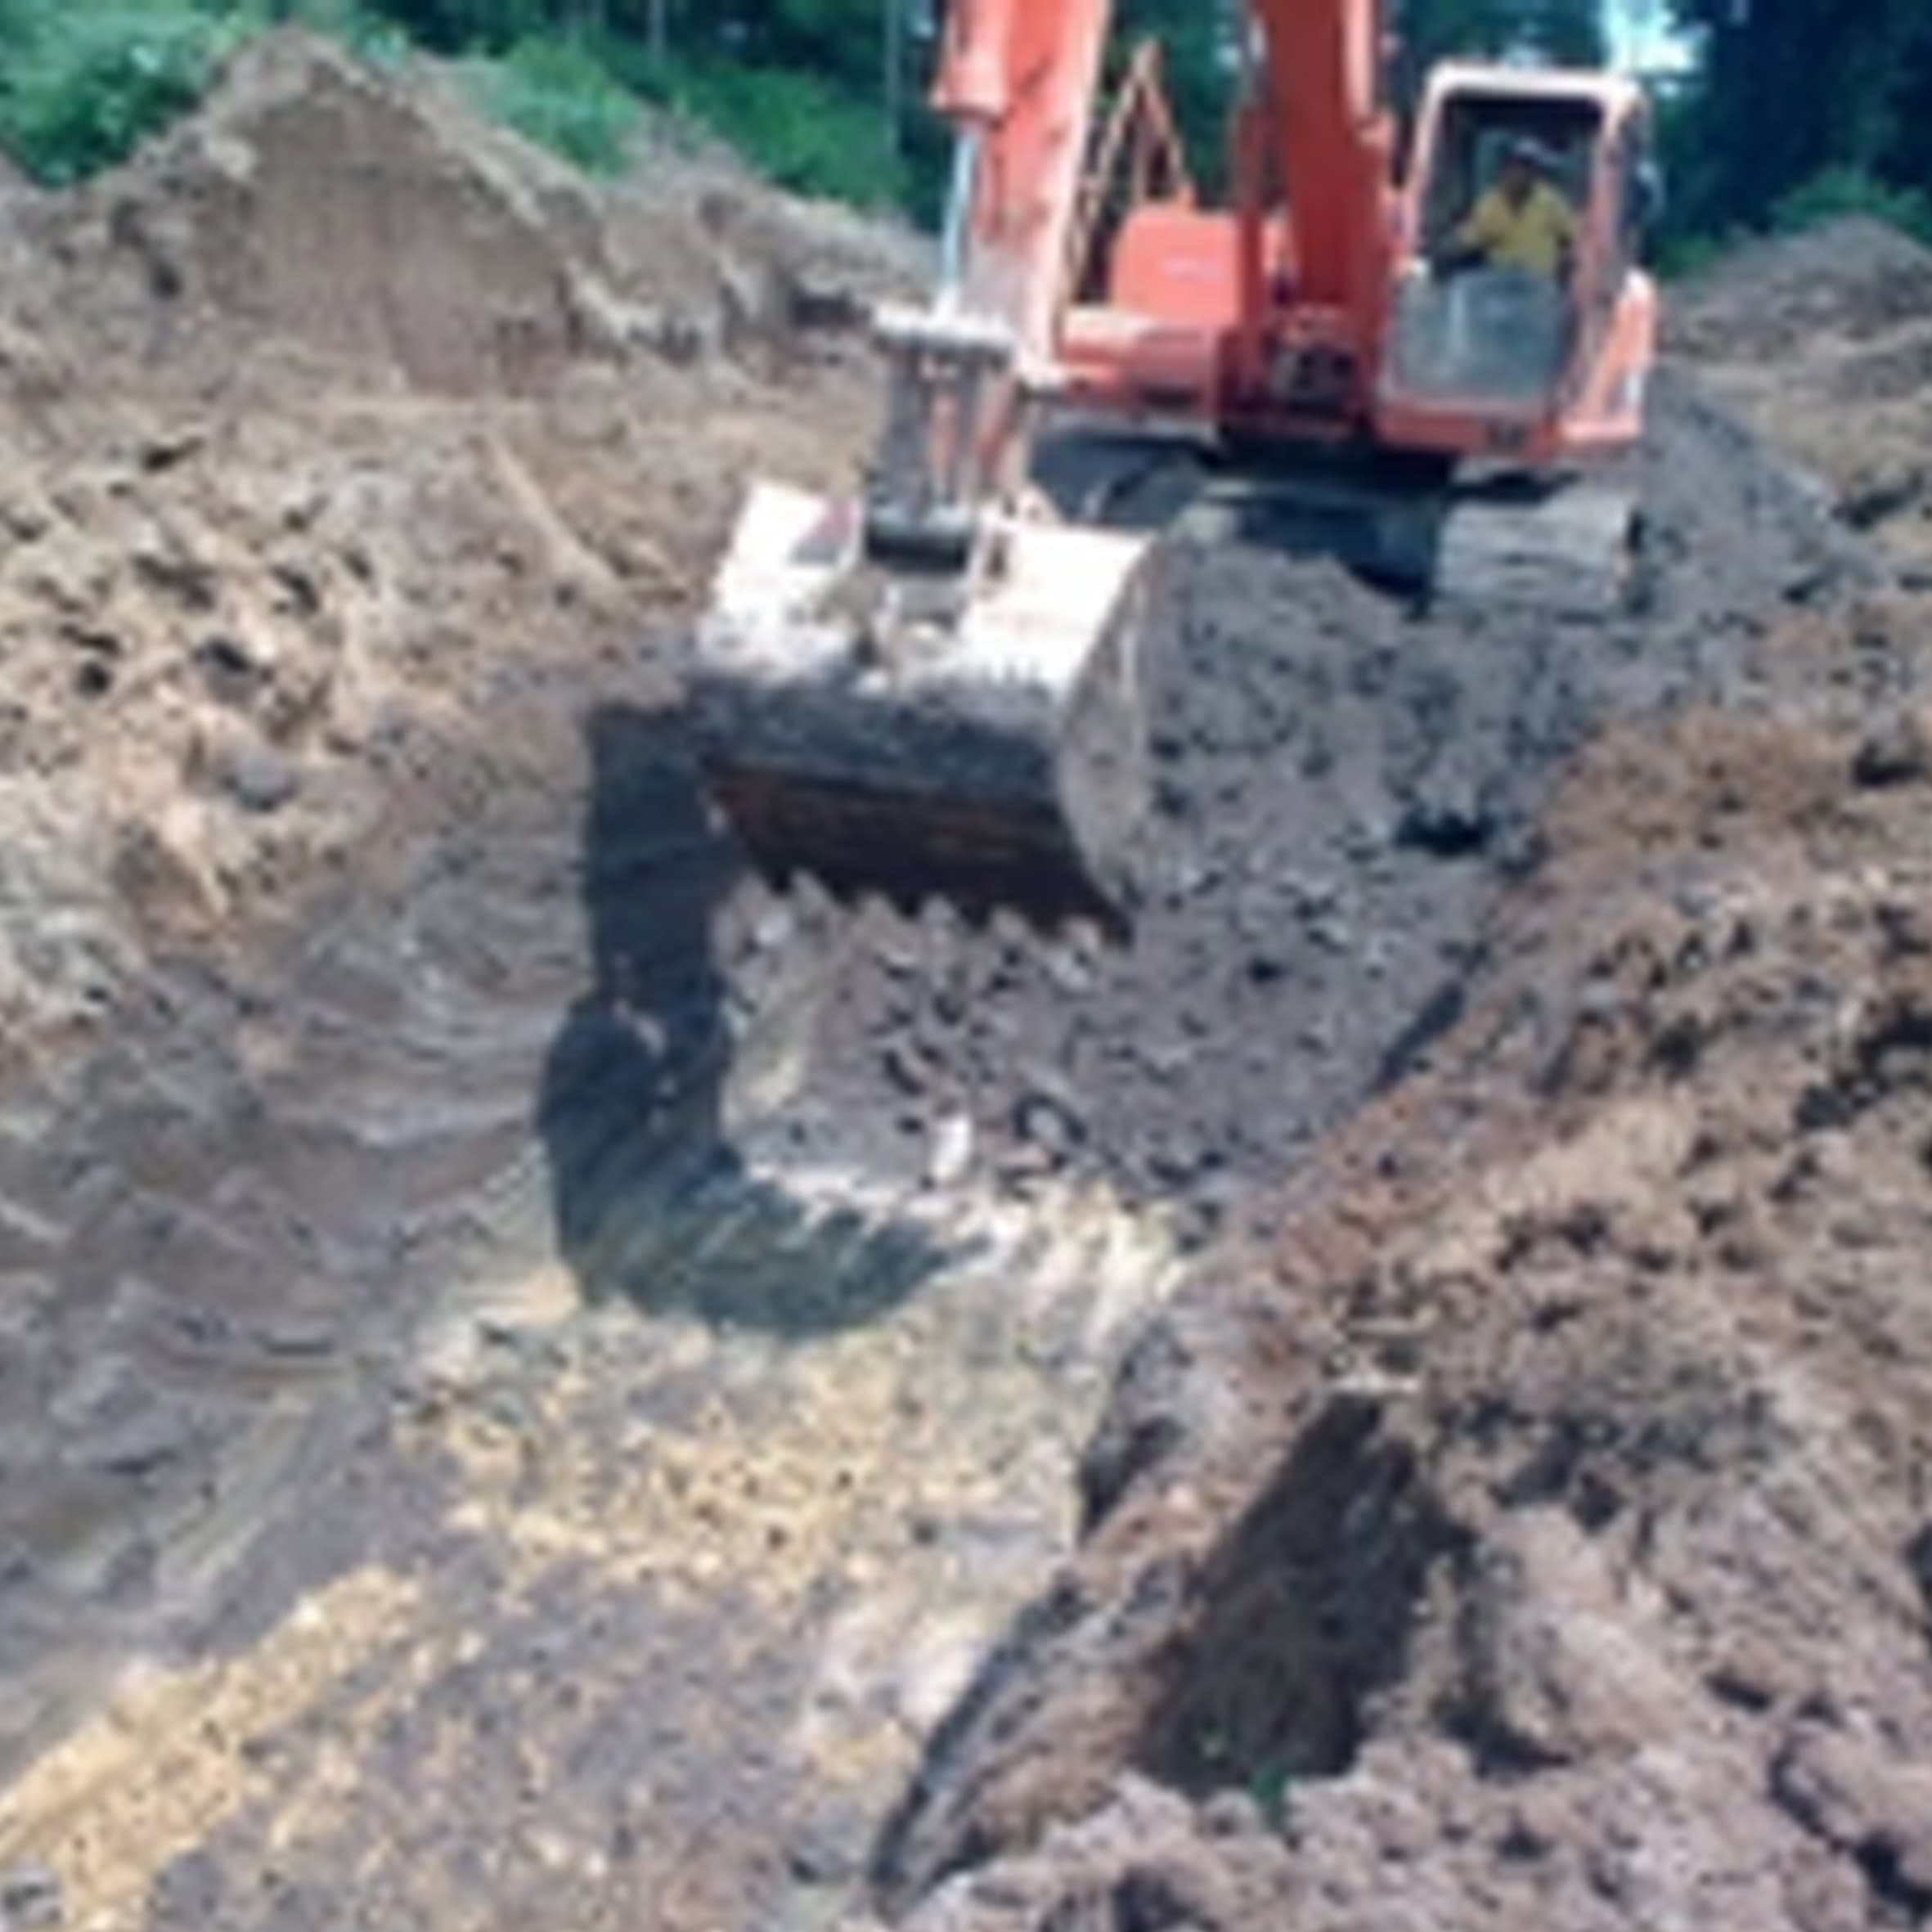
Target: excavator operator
[1522,221]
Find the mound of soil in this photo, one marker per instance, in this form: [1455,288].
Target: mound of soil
[1542,1536]
[329,413]
[1821,341]
[372,221]
[1343,786]
[1851,280]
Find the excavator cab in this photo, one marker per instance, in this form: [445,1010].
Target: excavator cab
[1528,381]
[1496,361]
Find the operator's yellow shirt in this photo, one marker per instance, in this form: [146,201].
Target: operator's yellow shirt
[1535,236]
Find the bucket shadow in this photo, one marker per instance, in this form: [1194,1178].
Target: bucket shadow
[650,1202]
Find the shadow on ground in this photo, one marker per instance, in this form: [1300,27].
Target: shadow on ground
[1251,1670]
[651,1201]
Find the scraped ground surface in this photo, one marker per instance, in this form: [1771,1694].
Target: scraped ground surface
[545,1384]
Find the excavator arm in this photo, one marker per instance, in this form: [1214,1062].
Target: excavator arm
[1322,61]
[1017,79]
[1317,137]
[932,689]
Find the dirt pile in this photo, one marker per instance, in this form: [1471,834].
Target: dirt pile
[1542,1536]
[315,204]
[1821,341]
[330,412]
[1343,786]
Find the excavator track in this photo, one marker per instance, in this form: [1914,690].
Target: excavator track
[1569,551]
[1566,547]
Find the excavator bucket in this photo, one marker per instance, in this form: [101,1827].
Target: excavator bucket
[969,723]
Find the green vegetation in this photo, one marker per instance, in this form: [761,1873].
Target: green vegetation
[81,85]
[1565,30]
[1798,109]
[807,134]
[1271,1785]
[1836,192]
[1801,108]
[557,93]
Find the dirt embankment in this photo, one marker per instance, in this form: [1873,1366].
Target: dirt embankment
[1526,1522]
[1824,342]
[1535,1529]
[1539,1536]
[329,409]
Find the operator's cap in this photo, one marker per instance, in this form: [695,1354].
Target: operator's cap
[1531,153]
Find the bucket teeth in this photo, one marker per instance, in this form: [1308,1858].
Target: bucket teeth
[980,735]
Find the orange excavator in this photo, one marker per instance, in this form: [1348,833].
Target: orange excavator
[937,684]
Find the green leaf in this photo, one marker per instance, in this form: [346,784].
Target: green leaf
[558,94]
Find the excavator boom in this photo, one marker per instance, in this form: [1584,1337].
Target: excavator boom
[932,689]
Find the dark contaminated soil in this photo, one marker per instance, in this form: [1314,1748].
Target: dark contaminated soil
[1342,784]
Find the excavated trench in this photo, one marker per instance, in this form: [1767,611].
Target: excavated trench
[1342,782]
[285,1244]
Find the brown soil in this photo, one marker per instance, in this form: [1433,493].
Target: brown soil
[1822,341]
[331,402]
[1540,1536]
[570,1372]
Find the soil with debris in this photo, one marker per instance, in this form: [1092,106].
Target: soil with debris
[1538,1535]
[1341,785]
[330,414]
[545,1384]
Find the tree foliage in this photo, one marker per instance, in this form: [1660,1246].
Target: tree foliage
[1567,31]
[1793,92]
[1796,106]
[555,92]
[80,86]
